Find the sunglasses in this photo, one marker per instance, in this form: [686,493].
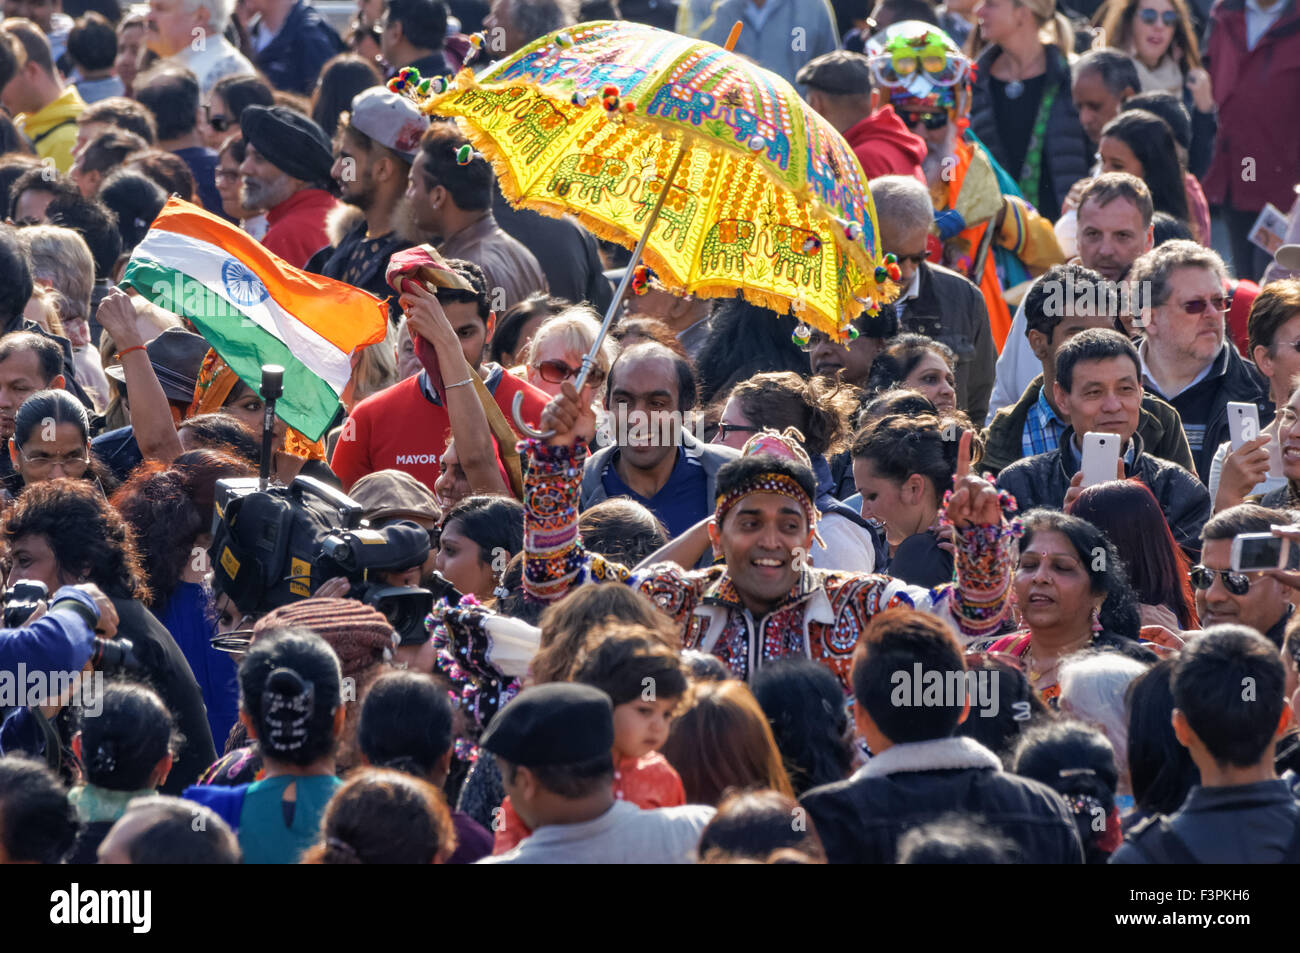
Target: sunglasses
[557,372]
[1149,17]
[914,259]
[725,429]
[935,120]
[1237,583]
[1198,305]
[219,123]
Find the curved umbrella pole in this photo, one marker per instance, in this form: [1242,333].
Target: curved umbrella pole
[617,303]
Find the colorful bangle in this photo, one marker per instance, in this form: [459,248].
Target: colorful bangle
[128,350]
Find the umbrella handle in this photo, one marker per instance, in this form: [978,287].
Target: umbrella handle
[522,424]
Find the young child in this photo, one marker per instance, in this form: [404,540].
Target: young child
[647,684]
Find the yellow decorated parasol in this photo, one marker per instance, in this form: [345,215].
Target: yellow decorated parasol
[715,169]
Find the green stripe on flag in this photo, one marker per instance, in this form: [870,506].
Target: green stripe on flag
[309,404]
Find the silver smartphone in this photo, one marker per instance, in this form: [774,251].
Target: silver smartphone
[1100,457]
[1252,552]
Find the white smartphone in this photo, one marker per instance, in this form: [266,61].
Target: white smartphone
[1243,423]
[1252,552]
[1100,457]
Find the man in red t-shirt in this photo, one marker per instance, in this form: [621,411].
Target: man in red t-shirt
[406,427]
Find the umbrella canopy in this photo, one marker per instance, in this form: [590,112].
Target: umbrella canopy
[768,201]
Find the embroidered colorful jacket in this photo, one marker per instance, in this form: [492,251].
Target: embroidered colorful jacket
[821,617]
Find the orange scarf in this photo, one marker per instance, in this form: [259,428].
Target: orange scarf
[211,390]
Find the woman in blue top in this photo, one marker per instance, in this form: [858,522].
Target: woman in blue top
[291,704]
[170,509]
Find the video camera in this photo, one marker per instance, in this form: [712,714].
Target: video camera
[273,545]
[107,655]
[276,545]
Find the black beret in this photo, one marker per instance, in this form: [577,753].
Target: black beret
[289,141]
[556,723]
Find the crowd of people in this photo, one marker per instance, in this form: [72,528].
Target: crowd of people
[839,602]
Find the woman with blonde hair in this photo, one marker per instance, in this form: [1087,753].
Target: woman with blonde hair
[1021,99]
[554,354]
[722,743]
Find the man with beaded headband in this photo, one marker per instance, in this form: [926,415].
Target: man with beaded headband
[763,602]
[983,228]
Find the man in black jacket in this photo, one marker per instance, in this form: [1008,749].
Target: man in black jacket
[1229,710]
[1185,357]
[1068,299]
[935,301]
[912,691]
[1098,385]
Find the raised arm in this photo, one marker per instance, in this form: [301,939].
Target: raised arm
[469,425]
[151,414]
[979,600]
[554,560]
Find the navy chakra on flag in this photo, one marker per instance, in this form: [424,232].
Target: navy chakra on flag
[244,288]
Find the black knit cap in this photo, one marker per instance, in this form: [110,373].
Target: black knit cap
[556,723]
[289,141]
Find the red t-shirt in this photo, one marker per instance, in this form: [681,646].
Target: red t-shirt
[401,429]
[296,227]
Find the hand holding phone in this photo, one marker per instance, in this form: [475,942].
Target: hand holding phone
[1243,423]
[1100,458]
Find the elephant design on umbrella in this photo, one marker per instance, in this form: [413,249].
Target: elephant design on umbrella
[798,251]
[537,123]
[485,102]
[678,209]
[747,125]
[728,239]
[593,174]
[690,105]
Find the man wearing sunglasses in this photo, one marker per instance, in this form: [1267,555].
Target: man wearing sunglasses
[935,301]
[928,81]
[1246,598]
[1185,357]
[839,88]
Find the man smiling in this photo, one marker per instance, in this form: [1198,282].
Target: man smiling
[765,602]
[1098,386]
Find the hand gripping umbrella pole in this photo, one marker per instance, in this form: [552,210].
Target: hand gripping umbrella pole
[617,303]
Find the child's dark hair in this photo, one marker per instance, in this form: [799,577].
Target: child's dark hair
[290,685]
[122,745]
[1077,762]
[1237,728]
[804,703]
[384,817]
[628,664]
[406,723]
[37,821]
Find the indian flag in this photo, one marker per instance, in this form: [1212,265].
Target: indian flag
[255,309]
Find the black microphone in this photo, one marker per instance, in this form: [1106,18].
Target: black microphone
[272,388]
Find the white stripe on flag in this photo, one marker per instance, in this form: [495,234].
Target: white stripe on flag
[202,261]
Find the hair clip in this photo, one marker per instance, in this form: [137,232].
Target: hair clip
[467,154]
